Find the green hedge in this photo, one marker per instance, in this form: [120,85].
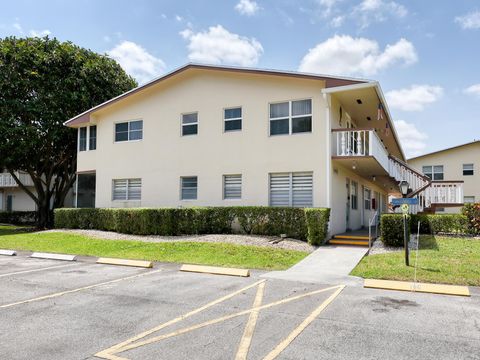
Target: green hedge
[439,223]
[391,228]
[18,217]
[472,212]
[305,224]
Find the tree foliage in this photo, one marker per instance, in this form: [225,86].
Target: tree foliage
[43,83]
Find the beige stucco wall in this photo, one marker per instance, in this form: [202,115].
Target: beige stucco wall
[21,201]
[163,156]
[452,161]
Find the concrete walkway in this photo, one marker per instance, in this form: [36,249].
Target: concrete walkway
[329,264]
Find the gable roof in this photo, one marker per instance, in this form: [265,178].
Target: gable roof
[447,149]
[331,81]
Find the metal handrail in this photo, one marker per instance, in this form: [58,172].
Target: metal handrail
[370,223]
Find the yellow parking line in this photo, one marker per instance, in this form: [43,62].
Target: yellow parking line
[284,344]
[221,319]
[113,349]
[250,327]
[34,270]
[50,296]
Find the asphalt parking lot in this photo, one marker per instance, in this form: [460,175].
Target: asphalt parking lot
[81,310]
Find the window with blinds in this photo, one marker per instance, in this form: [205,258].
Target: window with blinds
[291,189]
[291,117]
[127,189]
[189,188]
[232,186]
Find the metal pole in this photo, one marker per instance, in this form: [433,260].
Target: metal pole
[405,239]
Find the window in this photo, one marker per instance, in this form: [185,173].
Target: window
[92,139]
[291,117]
[232,186]
[127,189]
[190,124]
[232,119]
[291,189]
[368,198]
[82,139]
[189,186]
[467,169]
[354,195]
[469,199]
[129,131]
[433,172]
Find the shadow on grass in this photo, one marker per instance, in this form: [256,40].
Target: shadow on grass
[428,242]
[14,230]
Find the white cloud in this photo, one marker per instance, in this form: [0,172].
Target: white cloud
[247,7]
[328,7]
[136,61]
[39,33]
[219,46]
[469,21]
[337,21]
[178,18]
[344,55]
[370,11]
[413,141]
[18,27]
[473,90]
[414,98]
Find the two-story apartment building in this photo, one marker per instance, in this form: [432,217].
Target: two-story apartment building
[12,197]
[458,162]
[220,136]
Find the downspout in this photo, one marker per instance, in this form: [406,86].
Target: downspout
[328,150]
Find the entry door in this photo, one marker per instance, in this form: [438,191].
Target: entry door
[348,206]
[9,203]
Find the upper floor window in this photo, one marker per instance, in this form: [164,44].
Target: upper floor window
[232,119]
[127,189]
[92,139]
[368,199]
[232,186]
[82,139]
[467,169]
[433,172]
[354,195]
[189,188]
[129,131]
[190,124]
[291,117]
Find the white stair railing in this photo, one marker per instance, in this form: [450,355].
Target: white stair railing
[371,221]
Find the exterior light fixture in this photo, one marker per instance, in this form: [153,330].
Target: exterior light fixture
[403,187]
[374,178]
[354,166]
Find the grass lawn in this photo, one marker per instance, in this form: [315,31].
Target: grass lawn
[220,254]
[443,260]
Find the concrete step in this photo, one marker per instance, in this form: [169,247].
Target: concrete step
[335,241]
[351,237]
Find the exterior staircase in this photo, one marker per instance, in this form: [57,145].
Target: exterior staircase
[356,240]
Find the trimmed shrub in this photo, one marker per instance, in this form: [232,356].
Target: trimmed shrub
[317,225]
[439,223]
[391,228]
[18,217]
[305,224]
[472,212]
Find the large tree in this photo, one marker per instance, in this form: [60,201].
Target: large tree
[43,83]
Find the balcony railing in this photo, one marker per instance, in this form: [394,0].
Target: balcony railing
[7,180]
[363,142]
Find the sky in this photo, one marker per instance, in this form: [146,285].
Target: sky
[425,54]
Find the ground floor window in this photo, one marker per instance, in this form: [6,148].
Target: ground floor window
[232,187]
[127,189]
[368,198]
[469,199]
[354,195]
[189,187]
[291,189]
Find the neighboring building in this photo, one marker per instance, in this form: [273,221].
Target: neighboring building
[458,162]
[12,197]
[222,136]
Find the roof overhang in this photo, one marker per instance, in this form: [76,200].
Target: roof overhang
[330,81]
[370,93]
